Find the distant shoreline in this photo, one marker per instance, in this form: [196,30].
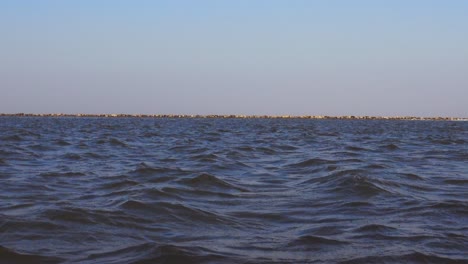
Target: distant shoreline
[349,117]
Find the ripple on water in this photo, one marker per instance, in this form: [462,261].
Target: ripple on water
[131,190]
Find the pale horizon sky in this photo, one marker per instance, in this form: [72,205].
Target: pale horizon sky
[298,57]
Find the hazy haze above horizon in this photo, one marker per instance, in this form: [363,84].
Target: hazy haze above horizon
[235,57]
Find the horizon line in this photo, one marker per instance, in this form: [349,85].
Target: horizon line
[238,116]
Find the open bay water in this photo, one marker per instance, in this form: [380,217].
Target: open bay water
[143,190]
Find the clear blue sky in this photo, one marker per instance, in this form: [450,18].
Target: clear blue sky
[329,57]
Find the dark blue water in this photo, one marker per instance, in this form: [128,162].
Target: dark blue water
[103,190]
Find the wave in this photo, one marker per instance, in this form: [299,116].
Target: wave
[41,147]
[137,205]
[154,253]
[356,149]
[358,204]
[375,228]
[411,176]
[14,138]
[235,155]
[165,193]
[285,147]
[151,134]
[62,174]
[144,169]
[205,157]
[416,257]
[62,142]
[208,181]
[454,206]
[11,224]
[118,184]
[175,211]
[117,190]
[389,147]
[376,166]
[311,162]
[361,185]
[456,181]
[266,150]
[190,193]
[69,218]
[352,181]
[245,148]
[262,216]
[445,141]
[9,153]
[9,256]
[71,156]
[315,242]
[117,142]
[93,155]
[70,215]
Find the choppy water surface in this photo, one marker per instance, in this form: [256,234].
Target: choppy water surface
[105,190]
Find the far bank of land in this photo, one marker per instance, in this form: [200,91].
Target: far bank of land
[350,117]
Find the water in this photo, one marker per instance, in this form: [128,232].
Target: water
[104,190]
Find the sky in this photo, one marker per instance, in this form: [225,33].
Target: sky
[297,57]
